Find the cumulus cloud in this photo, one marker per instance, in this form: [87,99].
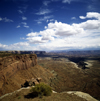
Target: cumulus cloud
[91,15]
[35,40]
[58,35]
[89,24]
[63,29]
[63,36]
[43,12]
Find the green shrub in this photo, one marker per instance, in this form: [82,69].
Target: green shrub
[41,90]
[19,97]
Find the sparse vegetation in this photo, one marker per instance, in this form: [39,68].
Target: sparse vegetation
[19,97]
[41,90]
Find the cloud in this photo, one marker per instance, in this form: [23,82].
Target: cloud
[91,15]
[57,29]
[46,3]
[20,11]
[0,19]
[89,24]
[24,18]
[25,24]
[73,18]
[6,19]
[45,18]
[18,26]
[2,47]
[35,40]
[22,38]
[58,35]
[66,1]
[43,12]
[19,46]
[63,36]
[82,17]
[63,29]
[51,20]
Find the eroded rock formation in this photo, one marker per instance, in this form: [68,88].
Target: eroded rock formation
[15,69]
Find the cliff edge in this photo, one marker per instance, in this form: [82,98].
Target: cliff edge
[15,69]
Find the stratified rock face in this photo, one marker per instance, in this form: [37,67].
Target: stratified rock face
[16,69]
[18,62]
[10,67]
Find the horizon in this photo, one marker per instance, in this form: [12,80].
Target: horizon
[49,25]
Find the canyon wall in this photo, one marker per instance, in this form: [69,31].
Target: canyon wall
[15,69]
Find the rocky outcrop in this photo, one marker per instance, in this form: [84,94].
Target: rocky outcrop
[18,62]
[15,69]
[82,95]
[10,67]
[31,82]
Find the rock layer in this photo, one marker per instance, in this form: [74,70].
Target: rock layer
[15,69]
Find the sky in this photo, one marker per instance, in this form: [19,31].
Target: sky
[49,25]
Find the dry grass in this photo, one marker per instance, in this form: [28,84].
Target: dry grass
[20,96]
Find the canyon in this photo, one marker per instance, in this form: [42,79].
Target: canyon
[63,73]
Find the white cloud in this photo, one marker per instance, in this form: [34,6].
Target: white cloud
[63,36]
[60,35]
[89,24]
[21,44]
[36,40]
[82,17]
[6,19]
[43,12]
[91,15]
[31,34]
[24,18]
[2,47]
[63,29]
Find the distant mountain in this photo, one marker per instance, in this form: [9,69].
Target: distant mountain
[77,53]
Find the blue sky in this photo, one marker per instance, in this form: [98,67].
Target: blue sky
[49,24]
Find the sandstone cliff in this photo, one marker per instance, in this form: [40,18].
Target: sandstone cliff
[15,69]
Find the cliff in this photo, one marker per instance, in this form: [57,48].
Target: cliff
[15,69]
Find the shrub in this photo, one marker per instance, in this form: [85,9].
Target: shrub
[19,97]
[41,90]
